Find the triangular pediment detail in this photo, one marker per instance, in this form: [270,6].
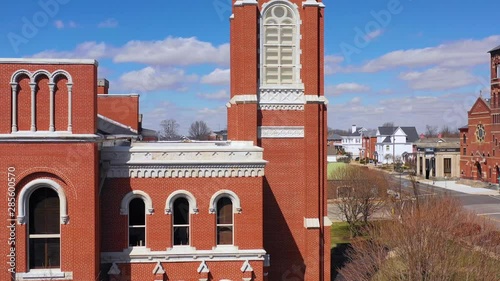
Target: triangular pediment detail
[480,106]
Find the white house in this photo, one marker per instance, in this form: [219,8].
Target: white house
[352,143]
[392,142]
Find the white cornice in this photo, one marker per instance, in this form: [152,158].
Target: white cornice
[186,254]
[46,136]
[185,160]
[313,3]
[245,2]
[47,61]
[280,132]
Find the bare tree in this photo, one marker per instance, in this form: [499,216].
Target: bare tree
[388,124]
[169,130]
[361,192]
[199,130]
[447,132]
[430,131]
[439,241]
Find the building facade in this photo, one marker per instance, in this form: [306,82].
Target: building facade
[394,142]
[438,158]
[479,139]
[90,199]
[351,142]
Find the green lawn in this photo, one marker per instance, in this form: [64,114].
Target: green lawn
[333,166]
[339,233]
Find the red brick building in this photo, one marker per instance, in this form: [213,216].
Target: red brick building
[480,159]
[87,199]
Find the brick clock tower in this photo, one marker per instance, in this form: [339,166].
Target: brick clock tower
[277,100]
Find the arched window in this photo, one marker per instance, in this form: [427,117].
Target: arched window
[137,223]
[44,233]
[225,221]
[280,57]
[181,222]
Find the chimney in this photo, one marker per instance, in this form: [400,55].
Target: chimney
[102,86]
[353,130]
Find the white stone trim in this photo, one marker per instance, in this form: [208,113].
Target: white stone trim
[311,223]
[33,185]
[245,2]
[237,99]
[203,267]
[44,274]
[189,254]
[327,221]
[169,204]
[280,132]
[136,194]
[225,193]
[246,267]
[158,270]
[47,136]
[290,107]
[298,37]
[313,3]
[316,99]
[33,83]
[196,170]
[46,61]
[114,270]
[185,160]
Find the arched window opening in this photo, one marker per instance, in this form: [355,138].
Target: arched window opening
[137,223]
[44,229]
[181,222]
[279,46]
[225,225]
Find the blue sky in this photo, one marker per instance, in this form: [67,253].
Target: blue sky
[413,62]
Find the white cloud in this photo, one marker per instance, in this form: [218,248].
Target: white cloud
[217,77]
[92,50]
[173,51]
[463,53]
[150,79]
[333,64]
[59,24]
[345,88]
[415,111]
[108,23]
[374,34]
[219,95]
[438,78]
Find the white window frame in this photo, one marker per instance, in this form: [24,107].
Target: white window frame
[137,226]
[193,209]
[217,225]
[498,71]
[46,236]
[296,66]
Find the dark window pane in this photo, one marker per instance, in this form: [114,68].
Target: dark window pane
[44,212]
[181,211]
[224,211]
[224,235]
[137,236]
[181,235]
[44,252]
[137,212]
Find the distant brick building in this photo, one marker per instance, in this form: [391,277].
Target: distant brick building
[90,199]
[480,159]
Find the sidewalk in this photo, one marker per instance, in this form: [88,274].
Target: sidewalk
[452,185]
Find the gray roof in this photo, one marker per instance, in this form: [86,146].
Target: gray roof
[387,139]
[411,132]
[334,137]
[495,49]
[107,126]
[355,134]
